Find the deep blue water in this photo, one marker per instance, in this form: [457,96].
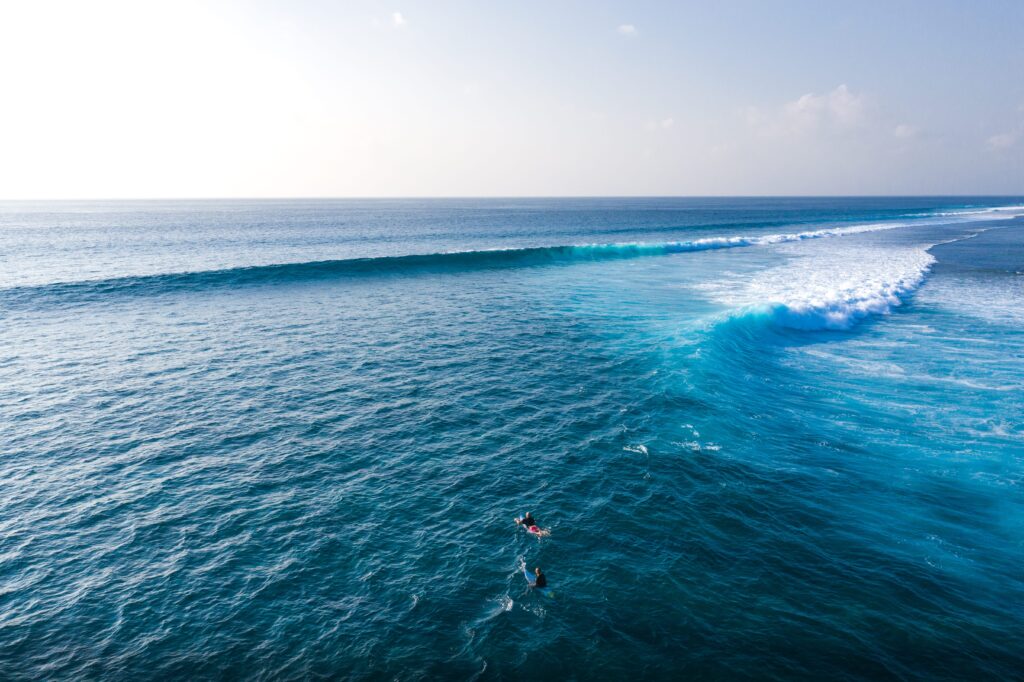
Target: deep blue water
[772,438]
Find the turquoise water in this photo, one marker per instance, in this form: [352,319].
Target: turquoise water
[772,438]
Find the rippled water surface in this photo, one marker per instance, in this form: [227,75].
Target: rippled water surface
[772,438]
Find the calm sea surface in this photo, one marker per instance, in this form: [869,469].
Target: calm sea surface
[771,438]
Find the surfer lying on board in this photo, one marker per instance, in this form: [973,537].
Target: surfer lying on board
[530,524]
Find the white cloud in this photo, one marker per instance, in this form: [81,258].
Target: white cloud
[654,125]
[1009,138]
[905,131]
[1004,140]
[839,107]
[397,19]
[837,111]
[628,30]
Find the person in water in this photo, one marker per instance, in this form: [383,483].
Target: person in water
[528,520]
[541,579]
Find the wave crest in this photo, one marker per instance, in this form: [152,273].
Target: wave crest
[847,306]
[416,263]
[833,290]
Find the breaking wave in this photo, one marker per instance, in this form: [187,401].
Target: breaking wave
[831,289]
[418,263]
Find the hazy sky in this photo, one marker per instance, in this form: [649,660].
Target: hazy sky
[408,98]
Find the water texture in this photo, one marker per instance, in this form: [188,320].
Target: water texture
[772,438]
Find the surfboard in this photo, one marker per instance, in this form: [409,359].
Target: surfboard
[530,578]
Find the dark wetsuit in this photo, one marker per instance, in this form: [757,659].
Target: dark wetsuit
[541,581]
[528,521]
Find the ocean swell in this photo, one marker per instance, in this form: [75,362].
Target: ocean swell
[412,264]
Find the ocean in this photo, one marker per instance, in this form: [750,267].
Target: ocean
[772,438]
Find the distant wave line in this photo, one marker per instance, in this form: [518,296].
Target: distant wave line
[433,262]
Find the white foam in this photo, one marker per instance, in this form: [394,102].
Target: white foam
[829,288]
[995,300]
[766,240]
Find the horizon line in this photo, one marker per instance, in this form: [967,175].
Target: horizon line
[514,196]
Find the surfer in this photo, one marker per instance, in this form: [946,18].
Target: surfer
[530,524]
[528,521]
[541,580]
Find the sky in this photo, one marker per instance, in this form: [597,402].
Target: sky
[136,99]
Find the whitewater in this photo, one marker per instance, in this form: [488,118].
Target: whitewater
[772,438]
